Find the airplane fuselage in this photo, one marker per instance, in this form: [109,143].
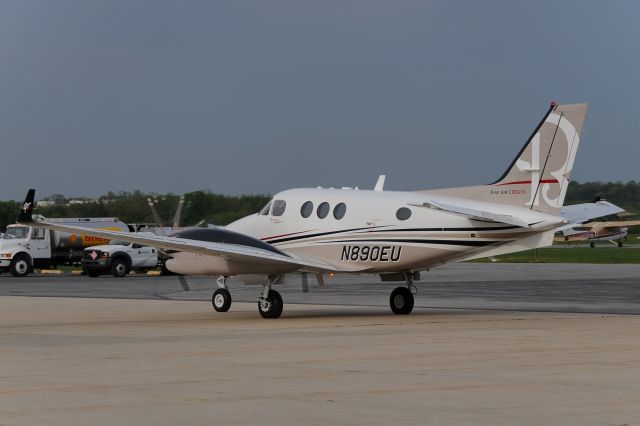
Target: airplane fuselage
[371,231]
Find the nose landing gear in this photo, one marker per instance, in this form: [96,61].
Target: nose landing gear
[221,299]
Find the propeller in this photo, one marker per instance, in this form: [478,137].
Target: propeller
[183,282]
[178,215]
[305,282]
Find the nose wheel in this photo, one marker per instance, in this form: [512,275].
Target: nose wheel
[221,300]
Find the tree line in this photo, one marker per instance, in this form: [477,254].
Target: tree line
[202,207]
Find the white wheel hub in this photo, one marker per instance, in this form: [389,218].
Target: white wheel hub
[219,300]
[22,266]
[399,301]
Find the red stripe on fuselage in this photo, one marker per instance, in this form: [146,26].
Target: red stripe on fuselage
[286,235]
[526,182]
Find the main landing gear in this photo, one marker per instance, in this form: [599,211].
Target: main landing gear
[401,300]
[270,302]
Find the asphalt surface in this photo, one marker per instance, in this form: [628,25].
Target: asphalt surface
[572,288]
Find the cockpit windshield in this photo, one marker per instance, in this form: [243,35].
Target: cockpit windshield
[265,209]
[17,232]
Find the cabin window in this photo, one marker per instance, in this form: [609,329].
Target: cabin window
[306,209]
[403,213]
[323,210]
[265,209]
[38,234]
[279,207]
[339,210]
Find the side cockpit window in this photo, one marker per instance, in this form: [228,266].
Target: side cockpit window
[279,206]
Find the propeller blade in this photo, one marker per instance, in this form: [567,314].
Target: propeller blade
[320,279]
[183,282]
[305,282]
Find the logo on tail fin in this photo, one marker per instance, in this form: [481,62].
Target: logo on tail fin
[541,179]
[26,206]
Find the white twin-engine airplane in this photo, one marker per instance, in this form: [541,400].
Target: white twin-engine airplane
[395,234]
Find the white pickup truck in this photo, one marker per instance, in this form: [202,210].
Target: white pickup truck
[118,258]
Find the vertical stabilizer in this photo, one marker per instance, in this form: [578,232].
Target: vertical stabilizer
[539,176]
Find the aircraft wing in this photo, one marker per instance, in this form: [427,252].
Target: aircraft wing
[236,252]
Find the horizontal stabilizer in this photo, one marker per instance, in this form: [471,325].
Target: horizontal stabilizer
[580,213]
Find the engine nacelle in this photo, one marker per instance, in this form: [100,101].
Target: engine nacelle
[200,264]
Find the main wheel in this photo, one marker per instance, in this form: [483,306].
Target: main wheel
[401,301]
[620,243]
[19,266]
[119,268]
[272,307]
[221,300]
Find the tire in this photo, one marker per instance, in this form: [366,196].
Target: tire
[221,300]
[20,265]
[275,305]
[620,244]
[592,244]
[93,273]
[401,301]
[119,268]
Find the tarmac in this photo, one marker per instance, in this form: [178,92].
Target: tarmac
[488,344]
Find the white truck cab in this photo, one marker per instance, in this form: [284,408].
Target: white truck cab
[118,258]
[22,247]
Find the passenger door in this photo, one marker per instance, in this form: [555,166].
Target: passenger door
[145,257]
[40,247]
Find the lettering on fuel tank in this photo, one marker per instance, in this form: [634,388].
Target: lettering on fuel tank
[371,253]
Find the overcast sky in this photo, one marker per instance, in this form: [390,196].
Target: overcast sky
[259,96]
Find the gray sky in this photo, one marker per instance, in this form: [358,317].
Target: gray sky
[259,96]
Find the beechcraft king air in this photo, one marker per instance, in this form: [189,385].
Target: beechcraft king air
[391,233]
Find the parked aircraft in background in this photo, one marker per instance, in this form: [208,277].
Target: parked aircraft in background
[391,233]
[612,231]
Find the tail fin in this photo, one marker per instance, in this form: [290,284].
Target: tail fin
[541,172]
[24,217]
[539,175]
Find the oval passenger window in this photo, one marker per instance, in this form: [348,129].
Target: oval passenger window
[339,210]
[403,213]
[306,209]
[323,210]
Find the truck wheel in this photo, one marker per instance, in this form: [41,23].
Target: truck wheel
[19,266]
[92,273]
[119,268]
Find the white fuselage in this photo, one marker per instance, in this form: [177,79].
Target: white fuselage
[373,236]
